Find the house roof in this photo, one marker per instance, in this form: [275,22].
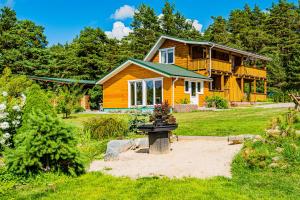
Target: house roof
[63,80]
[168,70]
[161,40]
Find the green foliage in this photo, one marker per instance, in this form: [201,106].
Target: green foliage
[106,127]
[280,147]
[95,97]
[216,102]
[14,85]
[138,117]
[184,101]
[68,99]
[36,99]
[22,44]
[44,144]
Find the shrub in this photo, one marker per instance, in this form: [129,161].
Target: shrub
[37,99]
[184,101]
[280,148]
[216,102]
[138,117]
[12,100]
[106,127]
[79,109]
[95,97]
[44,143]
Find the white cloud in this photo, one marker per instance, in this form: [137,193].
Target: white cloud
[119,31]
[7,3]
[195,24]
[123,12]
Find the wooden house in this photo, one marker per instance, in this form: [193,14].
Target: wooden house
[185,71]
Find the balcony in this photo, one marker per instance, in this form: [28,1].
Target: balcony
[203,64]
[251,71]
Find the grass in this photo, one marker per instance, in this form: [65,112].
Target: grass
[245,183]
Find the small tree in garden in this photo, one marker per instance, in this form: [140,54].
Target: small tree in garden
[68,99]
[162,115]
[44,143]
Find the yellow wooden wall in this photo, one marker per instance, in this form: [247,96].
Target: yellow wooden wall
[115,90]
[181,53]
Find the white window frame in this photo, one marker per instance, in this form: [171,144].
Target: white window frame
[166,50]
[144,91]
[189,83]
[186,92]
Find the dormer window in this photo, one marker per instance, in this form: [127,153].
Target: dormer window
[167,56]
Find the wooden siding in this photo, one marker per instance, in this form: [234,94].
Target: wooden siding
[251,71]
[115,90]
[257,97]
[181,53]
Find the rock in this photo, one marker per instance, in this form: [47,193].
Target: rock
[239,139]
[115,147]
[279,149]
[276,159]
[140,143]
[274,165]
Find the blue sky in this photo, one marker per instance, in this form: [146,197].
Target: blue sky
[63,19]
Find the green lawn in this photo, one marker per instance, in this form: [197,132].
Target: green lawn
[220,123]
[245,183]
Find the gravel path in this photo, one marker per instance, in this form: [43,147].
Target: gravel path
[277,105]
[201,158]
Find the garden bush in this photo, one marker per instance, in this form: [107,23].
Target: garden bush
[44,144]
[216,102]
[106,127]
[12,100]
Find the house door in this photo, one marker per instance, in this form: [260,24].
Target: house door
[194,96]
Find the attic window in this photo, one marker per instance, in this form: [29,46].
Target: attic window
[167,55]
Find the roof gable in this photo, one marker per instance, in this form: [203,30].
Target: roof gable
[163,38]
[166,70]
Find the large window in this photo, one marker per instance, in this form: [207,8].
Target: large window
[145,92]
[167,56]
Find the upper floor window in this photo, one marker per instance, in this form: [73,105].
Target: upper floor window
[167,55]
[220,55]
[198,52]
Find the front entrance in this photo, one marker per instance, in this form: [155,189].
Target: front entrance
[193,94]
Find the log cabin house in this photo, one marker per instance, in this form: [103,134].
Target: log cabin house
[183,71]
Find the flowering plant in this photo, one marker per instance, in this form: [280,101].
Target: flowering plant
[162,115]
[10,117]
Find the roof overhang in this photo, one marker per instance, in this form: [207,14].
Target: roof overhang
[129,62]
[122,67]
[163,38]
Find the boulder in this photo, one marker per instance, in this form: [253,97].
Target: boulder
[239,139]
[115,147]
[140,143]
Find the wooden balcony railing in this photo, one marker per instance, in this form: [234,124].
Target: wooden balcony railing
[254,97]
[200,64]
[197,64]
[251,71]
[221,65]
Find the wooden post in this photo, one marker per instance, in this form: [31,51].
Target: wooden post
[242,85]
[159,142]
[265,86]
[254,90]
[222,82]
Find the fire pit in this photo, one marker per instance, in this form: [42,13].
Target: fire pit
[159,130]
